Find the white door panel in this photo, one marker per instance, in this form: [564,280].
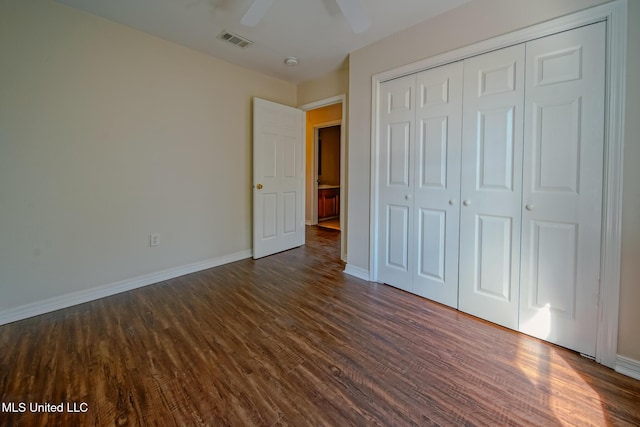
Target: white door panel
[562,187]
[437,187]
[494,144]
[396,130]
[399,155]
[269,215]
[491,185]
[431,235]
[278,173]
[398,238]
[493,259]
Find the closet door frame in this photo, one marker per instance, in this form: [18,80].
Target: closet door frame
[615,16]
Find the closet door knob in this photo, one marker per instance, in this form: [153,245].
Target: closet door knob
[529,207]
[452,202]
[466,203]
[408,197]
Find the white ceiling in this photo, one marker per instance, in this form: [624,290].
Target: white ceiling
[315,31]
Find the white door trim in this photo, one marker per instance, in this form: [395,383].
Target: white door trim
[615,15]
[339,99]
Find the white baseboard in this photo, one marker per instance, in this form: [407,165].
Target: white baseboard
[307,222]
[358,272]
[628,367]
[86,295]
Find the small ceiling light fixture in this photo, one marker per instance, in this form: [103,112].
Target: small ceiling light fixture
[291,61]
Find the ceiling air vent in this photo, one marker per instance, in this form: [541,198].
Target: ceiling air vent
[234,39]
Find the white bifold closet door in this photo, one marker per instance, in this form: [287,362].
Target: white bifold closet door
[492,185]
[562,187]
[490,197]
[419,186]
[395,187]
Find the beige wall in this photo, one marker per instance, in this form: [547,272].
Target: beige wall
[333,84]
[108,135]
[471,23]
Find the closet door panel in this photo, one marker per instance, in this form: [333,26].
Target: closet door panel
[437,188]
[494,143]
[396,181]
[491,184]
[493,257]
[562,188]
[397,227]
[432,235]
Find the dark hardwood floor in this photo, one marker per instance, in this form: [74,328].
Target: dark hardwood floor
[291,340]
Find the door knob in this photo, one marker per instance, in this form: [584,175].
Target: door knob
[466,203]
[408,196]
[452,202]
[259,186]
[529,207]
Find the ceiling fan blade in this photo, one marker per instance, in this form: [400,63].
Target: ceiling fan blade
[352,10]
[255,13]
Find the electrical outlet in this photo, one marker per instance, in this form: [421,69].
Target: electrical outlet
[154,239]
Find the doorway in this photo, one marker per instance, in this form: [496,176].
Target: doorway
[325,192]
[327,145]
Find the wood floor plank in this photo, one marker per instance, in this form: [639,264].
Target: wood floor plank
[290,340]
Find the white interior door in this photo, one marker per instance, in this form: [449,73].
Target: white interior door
[562,188]
[491,185]
[278,178]
[395,186]
[437,183]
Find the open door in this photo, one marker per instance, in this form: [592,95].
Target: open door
[278,178]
